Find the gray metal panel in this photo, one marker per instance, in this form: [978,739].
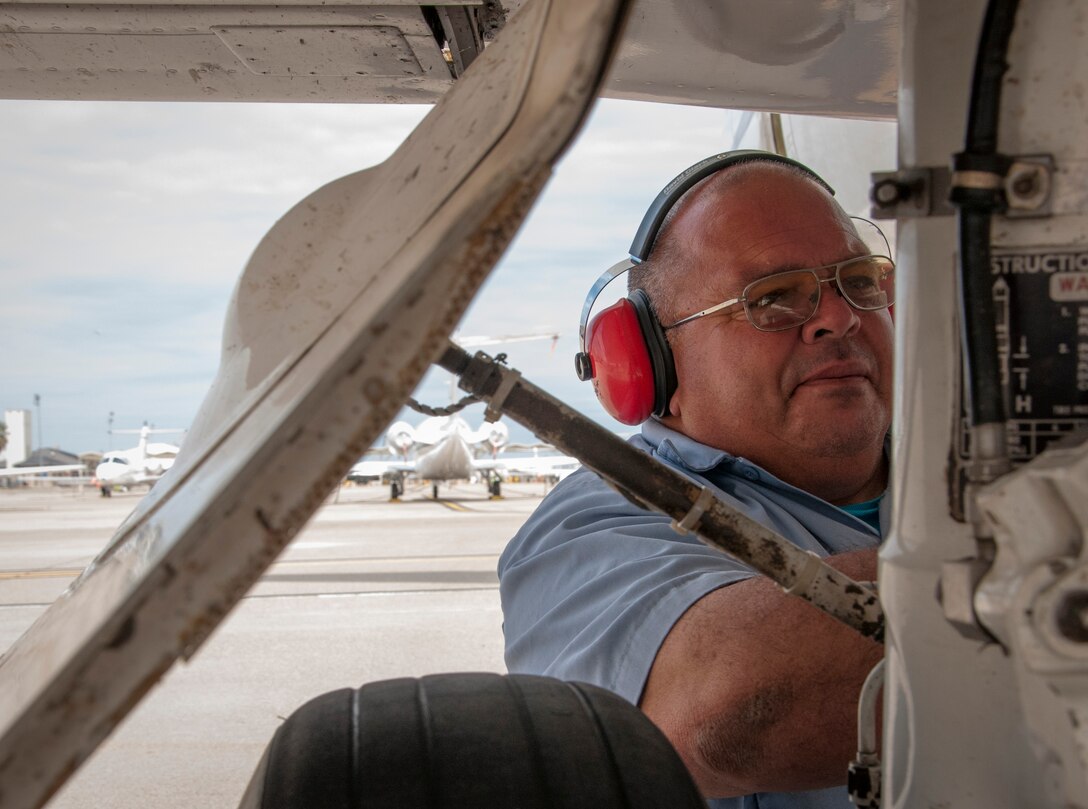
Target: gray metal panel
[221,53]
[322,50]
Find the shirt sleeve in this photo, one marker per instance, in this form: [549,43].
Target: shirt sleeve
[592,584]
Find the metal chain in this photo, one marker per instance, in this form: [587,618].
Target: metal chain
[457,406]
[449,410]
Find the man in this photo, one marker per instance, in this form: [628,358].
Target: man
[757,690]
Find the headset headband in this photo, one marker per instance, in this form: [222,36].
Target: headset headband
[671,193]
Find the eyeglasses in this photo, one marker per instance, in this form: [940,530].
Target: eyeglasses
[787,299]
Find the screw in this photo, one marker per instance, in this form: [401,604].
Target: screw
[1025,184]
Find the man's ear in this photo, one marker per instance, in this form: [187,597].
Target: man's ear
[674,404]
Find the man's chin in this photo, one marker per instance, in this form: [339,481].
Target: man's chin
[843,432]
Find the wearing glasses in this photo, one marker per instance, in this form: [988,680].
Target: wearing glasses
[787,299]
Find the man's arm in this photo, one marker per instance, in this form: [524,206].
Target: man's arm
[758,690]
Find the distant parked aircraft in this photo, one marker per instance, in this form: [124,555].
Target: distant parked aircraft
[440,448]
[553,466]
[144,463]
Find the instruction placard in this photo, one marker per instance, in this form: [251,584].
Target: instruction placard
[1041,313]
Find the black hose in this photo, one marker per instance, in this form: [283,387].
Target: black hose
[978,193]
[990,67]
[985,396]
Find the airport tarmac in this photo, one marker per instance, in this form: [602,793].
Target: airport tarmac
[369,590]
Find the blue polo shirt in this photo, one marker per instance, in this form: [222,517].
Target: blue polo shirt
[592,584]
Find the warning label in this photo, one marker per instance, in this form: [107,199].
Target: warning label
[1041,322]
[1069,286]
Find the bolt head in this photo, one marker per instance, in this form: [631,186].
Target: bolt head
[887,193]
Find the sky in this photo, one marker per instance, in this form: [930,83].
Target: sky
[126,225]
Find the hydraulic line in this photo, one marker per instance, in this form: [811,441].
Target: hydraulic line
[978,192]
[651,484]
[990,68]
[864,776]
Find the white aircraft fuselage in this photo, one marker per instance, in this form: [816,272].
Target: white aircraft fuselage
[144,463]
[449,459]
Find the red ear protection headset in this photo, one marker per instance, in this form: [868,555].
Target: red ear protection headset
[623,349]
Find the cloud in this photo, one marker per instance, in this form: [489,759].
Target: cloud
[127,224]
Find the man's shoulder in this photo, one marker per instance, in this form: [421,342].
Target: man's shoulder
[584,497]
[579,502]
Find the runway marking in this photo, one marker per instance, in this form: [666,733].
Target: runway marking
[460,557]
[71,573]
[39,574]
[379,593]
[346,594]
[452,506]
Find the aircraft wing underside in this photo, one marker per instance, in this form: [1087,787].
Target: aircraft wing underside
[834,58]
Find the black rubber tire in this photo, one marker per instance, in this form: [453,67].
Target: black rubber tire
[455,741]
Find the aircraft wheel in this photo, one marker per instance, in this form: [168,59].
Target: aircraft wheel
[106,491]
[496,488]
[395,490]
[434,490]
[455,741]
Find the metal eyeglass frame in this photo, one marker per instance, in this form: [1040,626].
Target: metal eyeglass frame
[837,278]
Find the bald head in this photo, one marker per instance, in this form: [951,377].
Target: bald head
[676,249]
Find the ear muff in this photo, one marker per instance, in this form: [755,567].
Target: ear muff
[629,360]
[623,349]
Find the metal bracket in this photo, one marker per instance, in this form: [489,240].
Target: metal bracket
[920,192]
[910,193]
[698,509]
[494,405]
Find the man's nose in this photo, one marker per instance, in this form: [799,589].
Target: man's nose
[834,317]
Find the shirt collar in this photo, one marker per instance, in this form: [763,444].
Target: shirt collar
[679,448]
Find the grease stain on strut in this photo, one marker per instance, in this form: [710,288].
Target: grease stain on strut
[775,557]
[374,390]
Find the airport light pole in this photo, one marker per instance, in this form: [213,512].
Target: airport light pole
[38,407]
